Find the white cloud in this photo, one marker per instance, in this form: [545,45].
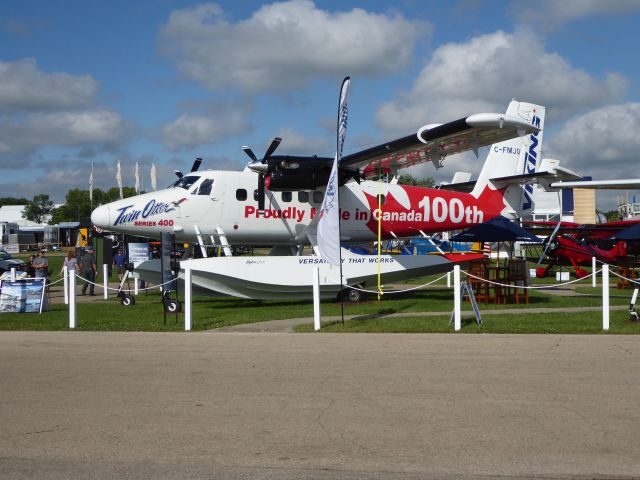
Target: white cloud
[286,44]
[552,14]
[603,143]
[101,127]
[40,109]
[486,72]
[294,143]
[24,88]
[192,130]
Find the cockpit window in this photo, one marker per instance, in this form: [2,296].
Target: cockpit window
[205,187]
[186,181]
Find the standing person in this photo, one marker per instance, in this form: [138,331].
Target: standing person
[120,261]
[70,262]
[88,271]
[40,265]
[31,272]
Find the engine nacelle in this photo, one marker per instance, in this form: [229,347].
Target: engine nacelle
[289,173]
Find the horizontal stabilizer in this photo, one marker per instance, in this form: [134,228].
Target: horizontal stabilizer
[553,175]
[627,184]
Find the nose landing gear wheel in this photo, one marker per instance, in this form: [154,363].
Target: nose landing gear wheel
[172,306]
[127,300]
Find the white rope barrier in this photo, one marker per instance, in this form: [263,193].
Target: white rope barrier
[531,287]
[456,280]
[118,288]
[56,282]
[388,292]
[630,280]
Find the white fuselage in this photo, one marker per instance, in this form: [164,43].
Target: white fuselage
[222,202]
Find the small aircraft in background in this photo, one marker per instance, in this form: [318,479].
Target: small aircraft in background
[570,243]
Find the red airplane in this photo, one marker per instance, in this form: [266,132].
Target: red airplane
[576,244]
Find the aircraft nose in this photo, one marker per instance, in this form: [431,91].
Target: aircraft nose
[100,216]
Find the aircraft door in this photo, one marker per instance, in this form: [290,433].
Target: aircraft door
[236,198]
[202,205]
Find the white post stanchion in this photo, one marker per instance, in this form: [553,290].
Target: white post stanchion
[72,299]
[105,277]
[457,301]
[65,282]
[13,274]
[593,272]
[316,298]
[187,299]
[605,297]
[136,285]
[448,279]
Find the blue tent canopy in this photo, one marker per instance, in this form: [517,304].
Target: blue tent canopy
[498,229]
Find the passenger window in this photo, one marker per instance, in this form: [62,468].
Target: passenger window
[380,200]
[255,194]
[205,187]
[318,197]
[303,197]
[287,196]
[241,194]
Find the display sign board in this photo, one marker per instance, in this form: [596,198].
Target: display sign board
[22,296]
[139,252]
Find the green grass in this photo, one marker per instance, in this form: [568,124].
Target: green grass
[531,323]
[211,312]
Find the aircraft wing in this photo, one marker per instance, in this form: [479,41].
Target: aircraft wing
[598,230]
[626,184]
[434,142]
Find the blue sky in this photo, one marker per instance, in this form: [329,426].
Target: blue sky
[163,81]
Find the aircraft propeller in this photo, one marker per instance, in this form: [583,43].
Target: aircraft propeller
[194,168]
[261,167]
[550,244]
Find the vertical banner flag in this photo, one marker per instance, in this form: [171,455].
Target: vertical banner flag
[154,179]
[119,179]
[329,223]
[137,174]
[91,186]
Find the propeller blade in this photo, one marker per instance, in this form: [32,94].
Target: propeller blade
[196,164]
[549,241]
[250,153]
[178,173]
[261,192]
[274,144]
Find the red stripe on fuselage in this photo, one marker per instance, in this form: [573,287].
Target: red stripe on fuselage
[433,210]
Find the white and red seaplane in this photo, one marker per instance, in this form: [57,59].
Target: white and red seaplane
[274,201]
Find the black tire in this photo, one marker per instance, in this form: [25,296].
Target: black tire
[172,306]
[352,295]
[127,300]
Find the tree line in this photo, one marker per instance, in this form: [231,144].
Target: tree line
[76,208]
